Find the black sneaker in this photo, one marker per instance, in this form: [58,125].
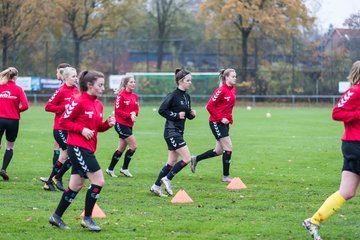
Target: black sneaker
[49,187]
[88,223]
[193,163]
[4,175]
[44,179]
[56,221]
[58,183]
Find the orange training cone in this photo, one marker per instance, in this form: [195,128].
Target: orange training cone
[236,184]
[96,213]
[181,197]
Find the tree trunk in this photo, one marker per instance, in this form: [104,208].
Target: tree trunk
[244,58]
[160,55]
[77,54]
[5,48]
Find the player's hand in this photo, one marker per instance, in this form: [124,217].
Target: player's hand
[225,121]
[193,112]
[87,133]
[133,116]
[111,121]
[182,115]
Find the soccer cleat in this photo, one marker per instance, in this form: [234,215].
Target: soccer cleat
[193,163]
[4,175]
[49,187]
[58,183]
[56,221]
[167,185]
[312,228]
[157,191]
[44,179]
[88,223]
[226,179]
[111,173]
[126,172]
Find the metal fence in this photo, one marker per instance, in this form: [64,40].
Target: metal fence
[243,100]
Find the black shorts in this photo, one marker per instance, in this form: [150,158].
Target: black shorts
[10,127]
[123,131]
[83,160]
[351,153]
[60,137]
[219,130]
[175,142]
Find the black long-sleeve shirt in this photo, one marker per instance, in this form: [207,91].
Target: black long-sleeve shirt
[175,102]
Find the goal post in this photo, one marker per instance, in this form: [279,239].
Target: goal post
[150,83]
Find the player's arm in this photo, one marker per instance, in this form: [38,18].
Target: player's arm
[165,106]
[344,109]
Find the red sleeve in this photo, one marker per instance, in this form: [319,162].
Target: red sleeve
[24,102]
[346,110]
[53,104]
[213,102]
[67,119]
[104,125]
[119,106]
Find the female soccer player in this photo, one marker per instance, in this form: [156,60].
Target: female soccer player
[347,111]
[12,101]
[220,107]
[83,119]
[57,104]
[175,108]
[126,112]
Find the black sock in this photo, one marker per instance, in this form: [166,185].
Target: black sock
[91,196]
[226,162]
[56,156]
[65,201]
[7,158]
[55,170]
[114,160]
[67,164]
[127,158]
[208,154]
[177,168]
[164,171]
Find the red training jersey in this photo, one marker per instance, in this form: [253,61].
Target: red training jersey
[347,110]
[12,100]
[84,112]
[221,103]
[59,101]
[125,103]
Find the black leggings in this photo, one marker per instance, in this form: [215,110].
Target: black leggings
[10,127]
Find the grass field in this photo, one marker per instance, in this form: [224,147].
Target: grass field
[290,163]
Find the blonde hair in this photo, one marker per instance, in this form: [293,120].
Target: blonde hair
[123,83]
[8,74]
[223,74]
[354,75]
[66,71]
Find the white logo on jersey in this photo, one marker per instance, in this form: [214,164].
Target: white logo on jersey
[89,113]
[216,95]
[345,98]
[227,98]
[117,102]
[6,94]
[69,109]
[126,102]
[53,96]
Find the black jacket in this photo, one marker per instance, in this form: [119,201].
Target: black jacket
[175,102]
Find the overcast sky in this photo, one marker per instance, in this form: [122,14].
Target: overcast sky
[332,11]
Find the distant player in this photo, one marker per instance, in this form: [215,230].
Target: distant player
[126,112]
[220,107]
[347,111]
[56,153]
[57,104]
[84,119]
[13,101]
[175,108]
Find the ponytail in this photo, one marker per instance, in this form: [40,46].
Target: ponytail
[223,74]
[8,74]
[122,84]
